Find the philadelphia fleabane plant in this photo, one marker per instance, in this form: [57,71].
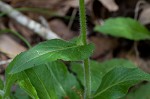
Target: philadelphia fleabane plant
[42,74]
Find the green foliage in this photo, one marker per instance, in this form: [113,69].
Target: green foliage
[1,84]
[1,88]
[117,82]
[45,82]
[98,70]
[13,78]
[19,93]
[42,75]
[124,27]
[51,51]
[51,81]
[10,78]
[111,79]
[141,92]
[42,80]
[25,83]
[46,78]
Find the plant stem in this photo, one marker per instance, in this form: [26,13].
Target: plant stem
[87,79]
[83,27]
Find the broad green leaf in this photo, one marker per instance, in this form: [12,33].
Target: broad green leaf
[140,92]
[124,27]
[50,51]
[98,70]
[53,81]
[24,83]
[19,94]
[115,84]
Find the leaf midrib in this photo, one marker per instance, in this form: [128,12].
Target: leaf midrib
[42,85]
[110,87]
[56,80]
[36,97]
[46,53]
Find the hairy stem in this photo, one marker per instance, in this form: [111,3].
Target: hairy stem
[87,79]
[83,27]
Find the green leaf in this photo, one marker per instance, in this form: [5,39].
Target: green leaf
[98,70]
[10,78]
[24,83]
[116,83]
[124,27]
[1,84]
[1,88]
[51,51]
[19,94]
[1,94]
[141,92]
[53,81]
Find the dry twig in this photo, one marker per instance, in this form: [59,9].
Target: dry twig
[27,22]
[5,62]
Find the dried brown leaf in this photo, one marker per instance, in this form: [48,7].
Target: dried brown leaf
[9,46]
[61,29]
[104,47]
[74,3]
[144,17]
[110,5]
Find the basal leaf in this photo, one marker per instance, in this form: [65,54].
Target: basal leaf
[116,83]
[51,51]
[53,81]
[98,70]
[124,27]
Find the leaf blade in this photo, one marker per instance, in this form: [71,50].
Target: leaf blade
[116,83]
[24,82]
[10,78]
[125,28]
[53,85]
[142,92]
[98,70]
[51,51]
